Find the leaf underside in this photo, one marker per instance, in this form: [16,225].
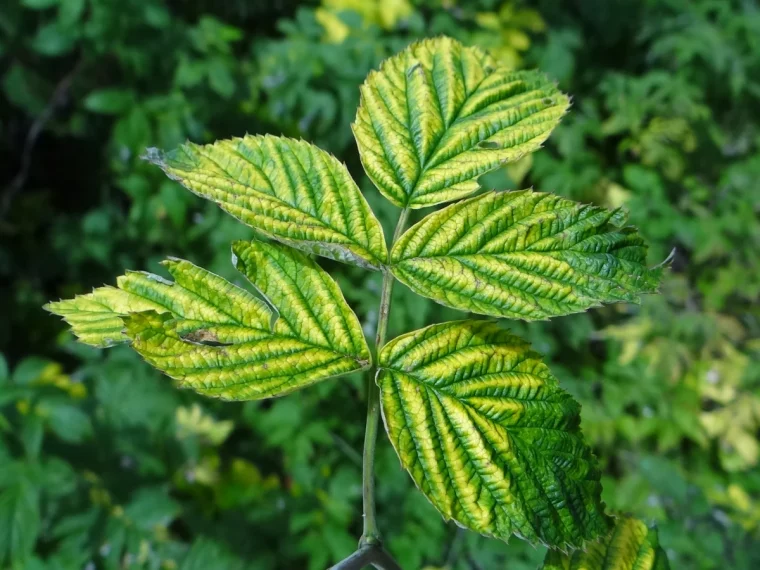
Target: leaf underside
[630,546]
[286,189]
[524,255]
[438,115]
[222,340]
[488,436]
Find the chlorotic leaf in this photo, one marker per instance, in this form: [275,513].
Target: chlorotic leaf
[631,545]
[488,436]
[524,255]
[221,340]
[439,114]
[287,190]
[96,318]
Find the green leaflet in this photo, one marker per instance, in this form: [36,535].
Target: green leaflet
[630,546]
[438,115]
[488,436]
[287,190]
[221,340]
[525,255]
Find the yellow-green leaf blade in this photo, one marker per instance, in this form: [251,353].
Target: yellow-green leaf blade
[96,318]
[304,330]
[488,436]
[439,114]
[288,190]
[221,340]
[309,303]
[631,545]
[525,255]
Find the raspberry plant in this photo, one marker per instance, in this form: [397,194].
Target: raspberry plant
[476,417]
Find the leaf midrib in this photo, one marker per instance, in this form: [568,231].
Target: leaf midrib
[452,124]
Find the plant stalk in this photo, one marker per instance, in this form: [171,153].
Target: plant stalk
[370,554]
[371,536]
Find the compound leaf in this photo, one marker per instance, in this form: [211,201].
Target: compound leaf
[287,190]
[524,255]
[488,436]
[438,115]
[630,546]
[221,340]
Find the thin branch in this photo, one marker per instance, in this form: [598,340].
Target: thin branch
[454,544]
[38,126]
[370,554]
[384,561]
[347,449]
[371,535]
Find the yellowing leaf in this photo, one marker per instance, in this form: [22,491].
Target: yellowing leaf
[391,12]
[96,318]
[630,546]
[438,115]
[488,436]
[335,29]
[221,340]
[525,255]
[288,190]
[519,169]
[385,13]
[194,422]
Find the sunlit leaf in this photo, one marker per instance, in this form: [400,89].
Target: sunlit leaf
[488,436]
[96,318]
[438,115]
[525,255]
[287,190]
[221,340]
[630,546]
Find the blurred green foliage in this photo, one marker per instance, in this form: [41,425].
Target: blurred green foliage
[104,465]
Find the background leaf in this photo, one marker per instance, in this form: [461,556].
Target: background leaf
[109,101]
[19,513]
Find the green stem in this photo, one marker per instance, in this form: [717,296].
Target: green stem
[371,535]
